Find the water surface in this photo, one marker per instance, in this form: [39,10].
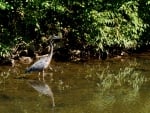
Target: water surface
[111,86]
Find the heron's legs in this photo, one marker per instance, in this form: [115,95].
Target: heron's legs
[39,76]
[43,75]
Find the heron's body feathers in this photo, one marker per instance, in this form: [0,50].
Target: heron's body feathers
[41,64]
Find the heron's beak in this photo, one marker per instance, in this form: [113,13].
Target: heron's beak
[56,37]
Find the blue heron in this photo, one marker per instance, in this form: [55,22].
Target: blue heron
[44,62]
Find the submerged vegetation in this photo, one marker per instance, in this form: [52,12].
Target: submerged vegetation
[91,26]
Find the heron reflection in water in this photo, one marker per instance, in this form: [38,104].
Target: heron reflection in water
[44,62]
[42,88]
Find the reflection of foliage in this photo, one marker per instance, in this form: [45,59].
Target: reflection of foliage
[124,77]
[125,101]
[3,76]
[61,85]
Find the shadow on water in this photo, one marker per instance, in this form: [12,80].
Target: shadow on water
[113,86]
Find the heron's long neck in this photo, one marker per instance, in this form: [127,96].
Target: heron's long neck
[51,52]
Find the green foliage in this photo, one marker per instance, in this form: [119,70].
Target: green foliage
[23,19]
[102,24]
[4,50]
[122,27]
[5,6]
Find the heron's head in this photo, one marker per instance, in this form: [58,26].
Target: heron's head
[54,37]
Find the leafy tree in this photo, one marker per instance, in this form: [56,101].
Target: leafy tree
[99,24]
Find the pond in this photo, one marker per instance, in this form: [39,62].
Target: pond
[111,86]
